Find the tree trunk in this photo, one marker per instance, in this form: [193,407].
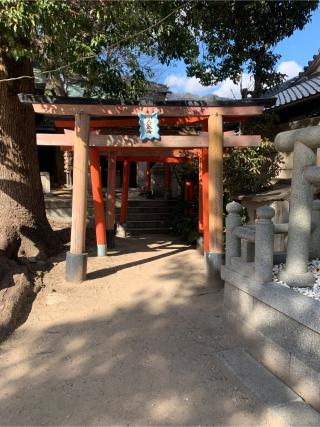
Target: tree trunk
[258,73]
[24,226]
[17,292]
[258,87]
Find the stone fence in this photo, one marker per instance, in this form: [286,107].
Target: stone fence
[279,326]
[250,248]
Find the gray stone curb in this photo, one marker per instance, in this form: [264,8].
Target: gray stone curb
[298,307]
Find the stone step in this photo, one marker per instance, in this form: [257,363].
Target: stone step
[142,225]
[261,382]
[150,231]
[146,215]
[152,216]
[151,209]
[283,406]
[133,204]
[151,202]
[294,414]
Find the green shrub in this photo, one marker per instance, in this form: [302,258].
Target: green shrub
[186,215]
[185,220]
[246,170]
[252,169]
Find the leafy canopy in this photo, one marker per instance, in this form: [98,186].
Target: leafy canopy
[216,39]
[252,169]
[238,36]
[110,35]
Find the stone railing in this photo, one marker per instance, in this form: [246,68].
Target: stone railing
[305,178]
[250,248]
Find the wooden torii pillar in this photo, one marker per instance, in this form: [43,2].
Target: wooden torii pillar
[215,252]
[125,190]
[200,197]
[205,200]
[97,196]
[111,199]
[76,260]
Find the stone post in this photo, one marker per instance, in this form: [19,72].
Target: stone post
[233,243]
[315,236]
[67,157]
[263,257]
[141,174]
[295,273]
[158,179]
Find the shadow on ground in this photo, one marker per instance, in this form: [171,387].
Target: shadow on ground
[136,348]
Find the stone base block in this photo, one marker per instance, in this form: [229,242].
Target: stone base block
[101,250]
[200,248]
[299,280]
[76,267]
[214,261]
[281,329]
[45,181]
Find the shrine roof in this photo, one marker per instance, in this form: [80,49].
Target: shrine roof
[296,90]
[42,99]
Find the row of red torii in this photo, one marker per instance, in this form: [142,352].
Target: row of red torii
[88,144]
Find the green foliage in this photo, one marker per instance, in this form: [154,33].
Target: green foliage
[249,170]
[103,42]
[263,125]
[186,214]
[186,221]
[186,172]
[240,36]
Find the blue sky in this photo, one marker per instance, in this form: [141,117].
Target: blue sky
[295,52]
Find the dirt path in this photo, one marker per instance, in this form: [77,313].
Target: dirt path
[134,345]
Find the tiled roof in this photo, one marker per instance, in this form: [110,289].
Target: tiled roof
[302,87]
[30,98]
[295,90]
[308,68]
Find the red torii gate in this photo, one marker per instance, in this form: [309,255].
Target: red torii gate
[208,145]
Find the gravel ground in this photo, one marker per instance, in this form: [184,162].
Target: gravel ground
[133,345]
[313,267]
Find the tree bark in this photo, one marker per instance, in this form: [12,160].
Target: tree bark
[258,73]
[17,292]
[24,226]
[258,88]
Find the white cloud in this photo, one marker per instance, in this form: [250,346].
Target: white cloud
[290,68]
[226,89]
[180,83]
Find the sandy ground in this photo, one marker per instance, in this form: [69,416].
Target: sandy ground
[133,345]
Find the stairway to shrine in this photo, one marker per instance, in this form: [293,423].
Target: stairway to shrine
[144,215]
[149,216]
